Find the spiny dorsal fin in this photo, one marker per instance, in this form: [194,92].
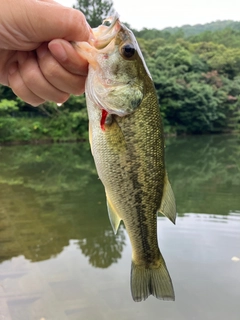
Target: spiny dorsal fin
[113,216]
[168,206]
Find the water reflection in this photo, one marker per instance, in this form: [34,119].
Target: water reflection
[54,226]
[105,252]
[49,195]
[205,173]
[199,251]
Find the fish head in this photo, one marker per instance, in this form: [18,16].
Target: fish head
[117,71]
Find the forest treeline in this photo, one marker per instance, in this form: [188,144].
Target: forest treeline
[189,30]
[196,72]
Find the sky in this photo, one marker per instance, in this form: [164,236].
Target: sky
[171,13]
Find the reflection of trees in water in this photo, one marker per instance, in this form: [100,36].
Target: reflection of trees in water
[48,196]
[51,194]
[47,167]
[205,156]
[106,250]
[41,231]
[205,173]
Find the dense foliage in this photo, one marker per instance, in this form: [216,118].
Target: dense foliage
[21,122]
[197,84]
[197,79]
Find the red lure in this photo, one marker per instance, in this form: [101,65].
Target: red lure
[102,122]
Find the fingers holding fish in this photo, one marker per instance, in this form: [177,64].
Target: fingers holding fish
[18,86]
[37,76]
[62,66]
[64,52]
[35,80]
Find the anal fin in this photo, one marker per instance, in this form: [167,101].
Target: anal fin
[168,206]
[113,216]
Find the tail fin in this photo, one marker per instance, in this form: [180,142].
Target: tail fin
[155,281]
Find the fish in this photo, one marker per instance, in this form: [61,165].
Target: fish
[127,143]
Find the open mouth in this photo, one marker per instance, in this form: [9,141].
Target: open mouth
[106,32]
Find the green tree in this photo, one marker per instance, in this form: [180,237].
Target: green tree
[95,10]
[6,93]
[194,97]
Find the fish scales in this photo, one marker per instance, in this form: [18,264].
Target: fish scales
[131,169]
[128,150]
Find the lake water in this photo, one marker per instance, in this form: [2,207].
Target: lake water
[60,260]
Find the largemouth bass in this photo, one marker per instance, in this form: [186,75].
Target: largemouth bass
[127,143]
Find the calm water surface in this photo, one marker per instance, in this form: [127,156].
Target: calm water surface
[59,258]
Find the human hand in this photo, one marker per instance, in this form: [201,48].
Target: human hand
[36,59]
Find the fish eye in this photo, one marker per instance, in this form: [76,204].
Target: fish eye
[128,51]
[107,23]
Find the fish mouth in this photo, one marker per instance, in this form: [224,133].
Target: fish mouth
[106,32]
[104,87]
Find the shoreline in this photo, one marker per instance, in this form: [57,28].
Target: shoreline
[39,142]
[58,141]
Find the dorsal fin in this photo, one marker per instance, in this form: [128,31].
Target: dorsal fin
[168,206]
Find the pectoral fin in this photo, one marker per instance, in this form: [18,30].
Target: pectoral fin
[113,216]
[168,206]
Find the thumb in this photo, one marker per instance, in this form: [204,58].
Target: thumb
[50,20]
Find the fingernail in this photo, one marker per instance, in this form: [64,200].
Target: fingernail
[13,68]
[42,50]
[59,52]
